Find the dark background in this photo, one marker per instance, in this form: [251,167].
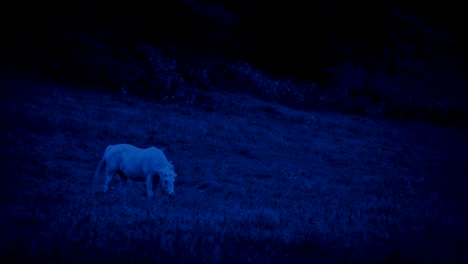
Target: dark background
[406,52]
[386,182]
[293,34]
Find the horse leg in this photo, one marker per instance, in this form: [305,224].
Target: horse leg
[123,181]
[123,187]
[108,181]
[149,186]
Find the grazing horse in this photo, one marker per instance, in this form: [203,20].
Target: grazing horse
[140,165]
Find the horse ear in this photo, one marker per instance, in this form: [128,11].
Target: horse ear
[162,149]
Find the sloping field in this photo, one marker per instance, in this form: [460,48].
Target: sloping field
[257,183]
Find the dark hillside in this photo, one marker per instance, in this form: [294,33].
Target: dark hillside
[366,58]
[315,132]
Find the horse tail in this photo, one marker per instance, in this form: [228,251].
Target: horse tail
[101,167]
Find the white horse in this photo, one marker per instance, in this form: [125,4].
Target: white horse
[140,165]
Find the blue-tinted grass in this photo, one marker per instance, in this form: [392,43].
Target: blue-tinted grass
[261,183]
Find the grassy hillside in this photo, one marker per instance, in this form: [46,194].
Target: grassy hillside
[257,182]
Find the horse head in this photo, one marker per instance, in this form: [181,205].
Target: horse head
[167,181]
